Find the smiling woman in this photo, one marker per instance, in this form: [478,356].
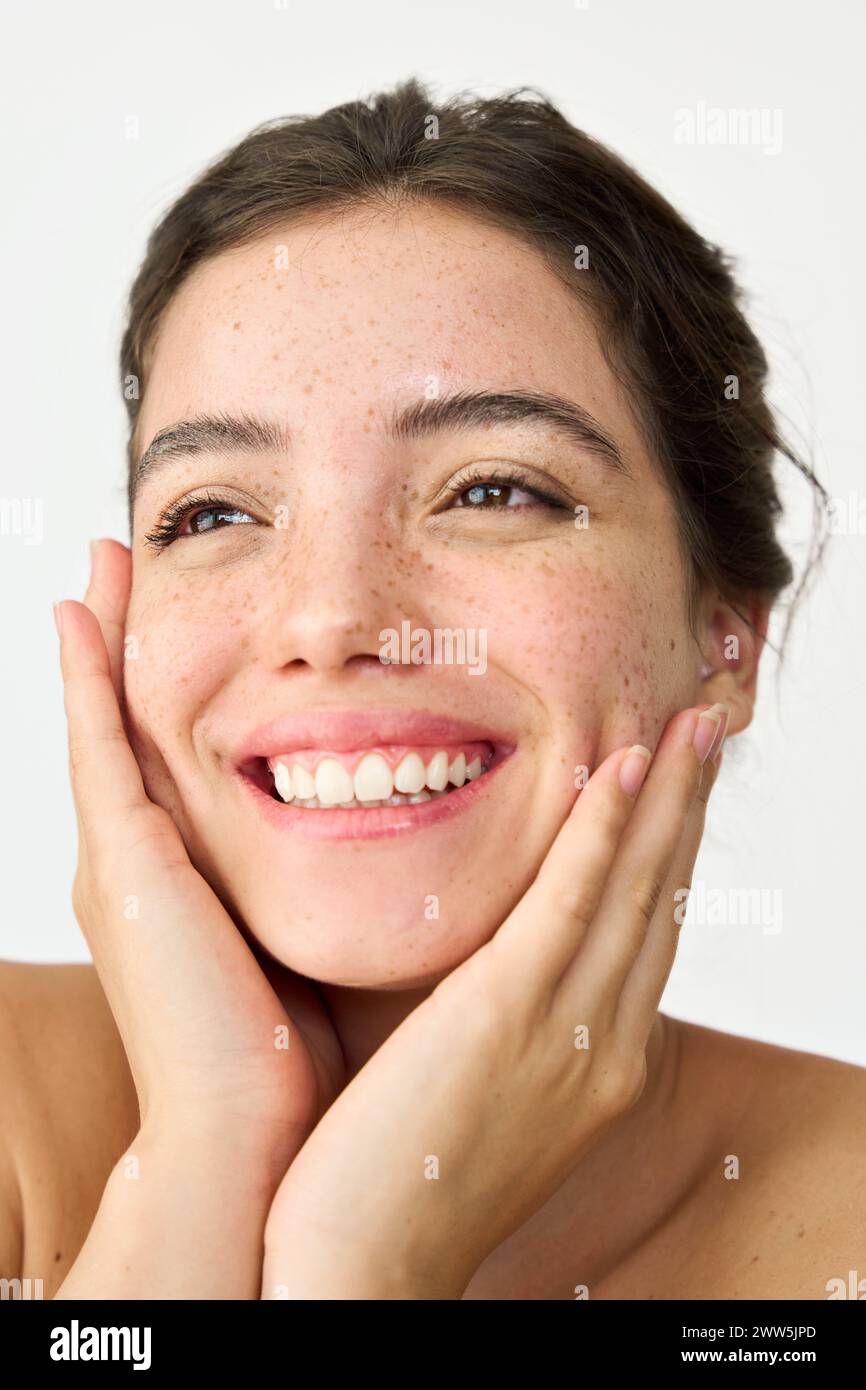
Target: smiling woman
[451,368]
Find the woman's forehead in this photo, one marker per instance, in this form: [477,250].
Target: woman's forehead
[358,314]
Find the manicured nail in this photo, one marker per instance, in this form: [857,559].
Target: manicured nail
[716,750]
[58,617]
[634,769]
[706,734]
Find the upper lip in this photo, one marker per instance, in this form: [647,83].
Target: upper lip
[343,730]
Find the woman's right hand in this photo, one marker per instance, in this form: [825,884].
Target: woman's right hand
[219,1063]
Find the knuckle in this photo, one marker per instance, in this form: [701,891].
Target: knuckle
[136,827]
[574,901]
[621,1084]
[632,1081]
[645,893]
[145,823]
[84,750]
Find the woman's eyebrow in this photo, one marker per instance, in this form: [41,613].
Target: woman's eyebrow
[463,410]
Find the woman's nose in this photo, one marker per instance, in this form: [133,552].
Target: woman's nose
[333,602]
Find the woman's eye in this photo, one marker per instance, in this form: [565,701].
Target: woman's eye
[193,518]
[210,518]
[496,494]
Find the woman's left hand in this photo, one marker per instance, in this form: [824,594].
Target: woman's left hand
[475,1109]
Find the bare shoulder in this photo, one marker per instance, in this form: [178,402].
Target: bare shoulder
[783,1201]
[68,1110]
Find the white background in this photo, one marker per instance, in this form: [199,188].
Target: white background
[787,818]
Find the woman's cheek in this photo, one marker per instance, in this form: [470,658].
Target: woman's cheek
[172,667]
[629,667]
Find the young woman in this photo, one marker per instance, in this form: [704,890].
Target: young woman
[391,736]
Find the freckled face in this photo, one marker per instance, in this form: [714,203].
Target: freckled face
[329,328]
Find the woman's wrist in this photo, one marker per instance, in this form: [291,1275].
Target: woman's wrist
[182,1216]
[301,1265]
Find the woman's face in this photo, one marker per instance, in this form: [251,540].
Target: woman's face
[568,631]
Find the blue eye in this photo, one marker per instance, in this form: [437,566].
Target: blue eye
[494,494]
[207,516]
[202,513]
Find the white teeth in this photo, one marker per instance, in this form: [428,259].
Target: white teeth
[457,770]
[333,783]
[303,782]
[410,774]
[437,772]
[283,782]
[397,799]
[373,783]
[373,780]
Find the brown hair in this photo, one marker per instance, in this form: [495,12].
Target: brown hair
[665,300]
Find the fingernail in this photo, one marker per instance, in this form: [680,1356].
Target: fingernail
[94,547]
[58,617]
[716,750]
[707,730]
[633,769]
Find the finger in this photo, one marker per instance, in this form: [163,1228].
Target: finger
[645,985]
[538,940]
[637,879]
[105,775]
[108,598]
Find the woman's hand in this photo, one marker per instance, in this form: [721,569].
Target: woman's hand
[473,1112]
[224,1074]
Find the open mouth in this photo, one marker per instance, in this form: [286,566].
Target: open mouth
[392,775]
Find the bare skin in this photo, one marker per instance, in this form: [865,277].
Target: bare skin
[795,1219]
[590,651]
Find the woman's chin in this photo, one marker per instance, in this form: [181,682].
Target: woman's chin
[373,949]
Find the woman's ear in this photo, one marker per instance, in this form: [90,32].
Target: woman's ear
[731,648]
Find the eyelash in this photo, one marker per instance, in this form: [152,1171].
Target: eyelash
[516,478]
[169,524]
[167,529]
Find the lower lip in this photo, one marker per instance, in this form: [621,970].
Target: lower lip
[379,822]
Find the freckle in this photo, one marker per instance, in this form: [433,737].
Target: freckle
[673,644]
[627,681]
[57,1257]
[308,388]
